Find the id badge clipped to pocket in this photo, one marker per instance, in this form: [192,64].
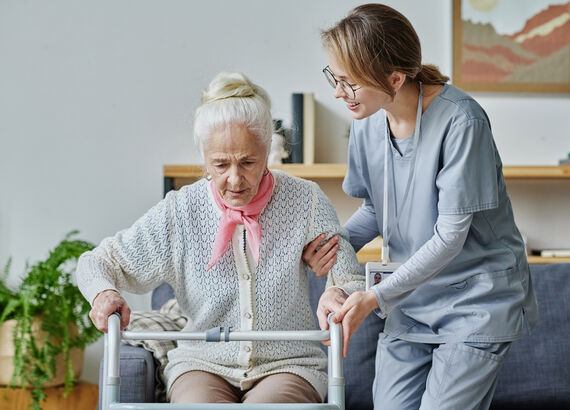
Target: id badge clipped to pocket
[376,272]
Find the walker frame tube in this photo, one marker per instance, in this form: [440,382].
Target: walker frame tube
[112,380]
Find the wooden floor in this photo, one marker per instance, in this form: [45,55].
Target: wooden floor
[84,396]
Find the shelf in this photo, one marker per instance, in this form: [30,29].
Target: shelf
[298,170]
[320,171]
[537,172]
[372,254]
[540,259]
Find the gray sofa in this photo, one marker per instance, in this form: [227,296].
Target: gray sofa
[536,374]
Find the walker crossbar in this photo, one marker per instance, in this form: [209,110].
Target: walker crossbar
[112,380]
[313,335]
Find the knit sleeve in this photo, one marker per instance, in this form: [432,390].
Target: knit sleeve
[346,272]
[136,259]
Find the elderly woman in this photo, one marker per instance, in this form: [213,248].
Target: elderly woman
[230,246]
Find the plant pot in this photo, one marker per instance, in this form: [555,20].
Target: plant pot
[7,354]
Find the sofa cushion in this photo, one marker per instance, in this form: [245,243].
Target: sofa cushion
[168,318]
[359,362]
[161,295]
[536,372]
[137,375]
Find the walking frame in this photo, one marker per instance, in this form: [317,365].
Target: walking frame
[112,380]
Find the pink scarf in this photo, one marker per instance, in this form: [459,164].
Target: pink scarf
[246,215]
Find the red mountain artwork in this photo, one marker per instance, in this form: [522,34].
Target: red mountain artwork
[539,53]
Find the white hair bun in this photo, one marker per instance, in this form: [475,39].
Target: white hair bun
[232,85]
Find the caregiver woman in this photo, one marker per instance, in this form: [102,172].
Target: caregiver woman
[230,246]
[463,289]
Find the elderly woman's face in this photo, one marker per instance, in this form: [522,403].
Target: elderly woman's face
[236,160]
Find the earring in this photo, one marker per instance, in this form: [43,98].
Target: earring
[208,177]
[266,172]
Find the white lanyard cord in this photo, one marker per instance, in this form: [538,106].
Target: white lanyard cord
[416,136]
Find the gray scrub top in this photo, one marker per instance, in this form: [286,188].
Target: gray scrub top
[485,293]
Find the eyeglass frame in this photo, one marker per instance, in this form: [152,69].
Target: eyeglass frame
[343,83]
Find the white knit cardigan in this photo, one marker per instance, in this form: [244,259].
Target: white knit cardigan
[173,242]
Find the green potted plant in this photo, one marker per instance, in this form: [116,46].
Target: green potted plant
[48,316]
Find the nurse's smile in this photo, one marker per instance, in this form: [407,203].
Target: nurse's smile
[352,106]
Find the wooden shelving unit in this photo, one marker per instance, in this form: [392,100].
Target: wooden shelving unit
[178,175]
[540,259]
[537,172]
[318,171]
[314,171]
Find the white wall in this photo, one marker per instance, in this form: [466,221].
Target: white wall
[96,96]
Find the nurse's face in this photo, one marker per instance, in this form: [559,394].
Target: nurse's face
[366,101]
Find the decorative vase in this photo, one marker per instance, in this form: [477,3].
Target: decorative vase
[7,354]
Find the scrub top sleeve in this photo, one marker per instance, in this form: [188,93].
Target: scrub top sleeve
[362,226]
[345,273]
[468,181]
[353,183]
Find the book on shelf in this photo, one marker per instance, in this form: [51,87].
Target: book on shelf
[302,133]
[296,133]
[308,128]
[551,253]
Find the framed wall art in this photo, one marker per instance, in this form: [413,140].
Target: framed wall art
[512,46]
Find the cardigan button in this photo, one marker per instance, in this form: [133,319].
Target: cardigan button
[247,349]
[248,315]
[245,276]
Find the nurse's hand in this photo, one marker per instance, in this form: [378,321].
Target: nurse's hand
[104,305]
[321,259]
[352,313]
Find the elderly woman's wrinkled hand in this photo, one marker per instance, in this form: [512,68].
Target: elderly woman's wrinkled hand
[321,259]
[353,312]
[104,305]
[331,300]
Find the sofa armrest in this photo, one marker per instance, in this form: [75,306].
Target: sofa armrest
[137,367]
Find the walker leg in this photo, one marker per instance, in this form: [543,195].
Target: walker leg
[112,380]
[336,377]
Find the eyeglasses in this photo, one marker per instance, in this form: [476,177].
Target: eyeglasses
[348,89]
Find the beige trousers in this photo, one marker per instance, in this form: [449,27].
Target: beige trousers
[203,387]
